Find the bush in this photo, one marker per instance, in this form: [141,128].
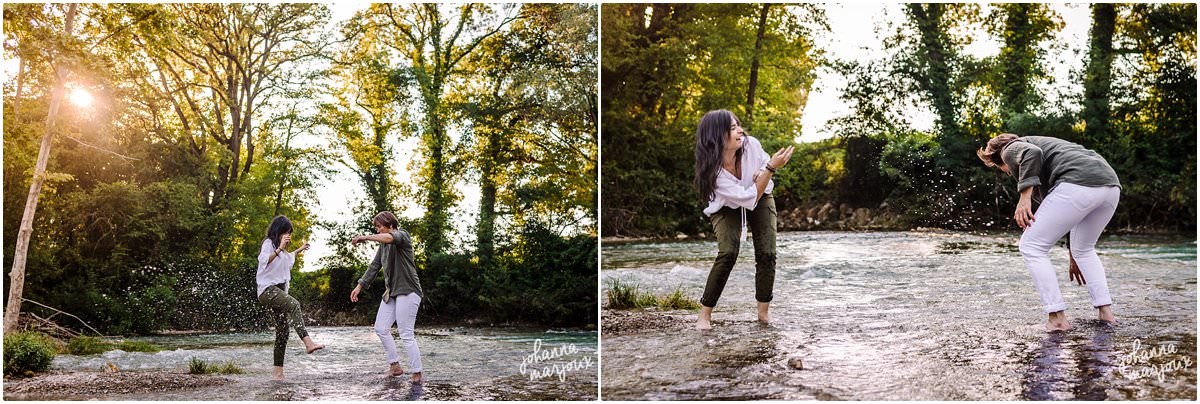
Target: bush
[625,296]
[677,301]
[87,346]
[199,367]
[26,352]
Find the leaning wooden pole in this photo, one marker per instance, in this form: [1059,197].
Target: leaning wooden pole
[17,276]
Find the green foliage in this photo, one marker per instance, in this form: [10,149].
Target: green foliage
[87,346]
[622,295]
[539,277]
[27,352]
[626,296]
[199,367]
[677,301]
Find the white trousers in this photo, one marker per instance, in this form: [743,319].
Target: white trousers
[1084,212]
[402,311]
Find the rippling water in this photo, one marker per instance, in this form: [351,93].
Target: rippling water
[909,315]
[463,363]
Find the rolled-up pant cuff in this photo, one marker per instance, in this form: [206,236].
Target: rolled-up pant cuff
[1055,307]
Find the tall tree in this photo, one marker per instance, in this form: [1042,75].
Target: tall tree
[754,61]
[370,98]
[217,63]
[1024,28]
[933,71]
[531,103]
[1097,82]
[434,40]
[17,277]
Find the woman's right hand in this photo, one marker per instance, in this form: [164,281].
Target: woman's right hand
[781,157]
[354,293]
[284,240]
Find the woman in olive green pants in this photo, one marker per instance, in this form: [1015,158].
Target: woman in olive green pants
[274,274]
[733,175]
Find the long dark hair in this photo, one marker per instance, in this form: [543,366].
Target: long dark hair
[710,144]
[280,225]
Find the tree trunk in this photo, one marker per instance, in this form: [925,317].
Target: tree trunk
[381,184]
[17,277]
[435,198]
[1018,59]
[486,233]
[287,141]
[758,44]
[1097,81]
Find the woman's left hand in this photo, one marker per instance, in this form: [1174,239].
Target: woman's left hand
[1074,274]
[303,247]
[358,239]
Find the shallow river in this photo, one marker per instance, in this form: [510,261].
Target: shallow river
[909,315]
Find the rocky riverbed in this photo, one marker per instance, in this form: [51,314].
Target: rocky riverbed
[69,385]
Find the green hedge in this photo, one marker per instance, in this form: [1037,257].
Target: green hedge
[26,352]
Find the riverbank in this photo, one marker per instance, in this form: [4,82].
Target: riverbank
[626,322]
[86,385]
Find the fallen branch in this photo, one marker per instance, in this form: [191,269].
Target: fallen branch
[50,327]
[57,312]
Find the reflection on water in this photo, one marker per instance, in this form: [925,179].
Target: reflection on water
[916,315]
[463,363]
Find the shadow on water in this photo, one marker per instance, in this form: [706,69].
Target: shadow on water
[1070,366]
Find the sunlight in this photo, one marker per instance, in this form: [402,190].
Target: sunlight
[81,97]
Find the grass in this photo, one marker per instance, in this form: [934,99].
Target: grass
[626,296]
[92,346]
[677,301]
[199,367]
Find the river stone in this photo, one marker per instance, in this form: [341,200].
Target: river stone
[796,363]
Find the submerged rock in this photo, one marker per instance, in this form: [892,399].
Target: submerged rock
[795,363]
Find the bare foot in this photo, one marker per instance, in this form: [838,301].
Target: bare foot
[395,370]
[1057,321]
[1106,315]
[277,373]
[762,313]
[416,377]
[311,346]
[704,323]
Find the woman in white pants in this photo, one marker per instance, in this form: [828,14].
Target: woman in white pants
[1078,192]
[401,295]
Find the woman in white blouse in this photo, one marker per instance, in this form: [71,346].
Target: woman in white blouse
[273,277]
[733,175]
